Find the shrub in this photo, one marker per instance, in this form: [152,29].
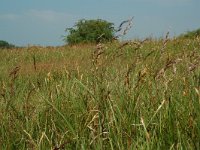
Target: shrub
[90,31]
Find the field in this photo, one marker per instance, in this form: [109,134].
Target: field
[128,95]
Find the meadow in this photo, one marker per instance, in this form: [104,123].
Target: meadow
[141,94]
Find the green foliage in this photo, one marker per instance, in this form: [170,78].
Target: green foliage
[90,31]
[4,44]
[191,34]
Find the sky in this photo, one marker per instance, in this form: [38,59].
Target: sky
[43,22]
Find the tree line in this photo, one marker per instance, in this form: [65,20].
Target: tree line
[95,31]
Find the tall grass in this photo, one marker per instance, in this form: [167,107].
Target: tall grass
[134,95]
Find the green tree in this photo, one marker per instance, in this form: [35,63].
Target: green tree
[90,31]
[4,44]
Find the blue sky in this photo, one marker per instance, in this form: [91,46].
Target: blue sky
[42,22]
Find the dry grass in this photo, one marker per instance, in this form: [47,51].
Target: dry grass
[132,95]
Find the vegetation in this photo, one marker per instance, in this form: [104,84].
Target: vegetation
[90,31]
[4,44]
[132,95]
[191,34]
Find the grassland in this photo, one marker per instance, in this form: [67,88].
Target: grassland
[134,95]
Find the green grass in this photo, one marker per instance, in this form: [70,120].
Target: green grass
[136,96]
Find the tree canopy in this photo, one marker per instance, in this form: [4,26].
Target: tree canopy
[4,44]
[90,31]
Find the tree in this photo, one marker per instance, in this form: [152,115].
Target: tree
[90,31]
[4,44]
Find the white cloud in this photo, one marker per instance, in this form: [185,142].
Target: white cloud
[48,15]
[36,26]
[38,15]
[9,16]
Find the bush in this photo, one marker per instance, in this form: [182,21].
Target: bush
[191,34]
[90,31]
[4,44]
